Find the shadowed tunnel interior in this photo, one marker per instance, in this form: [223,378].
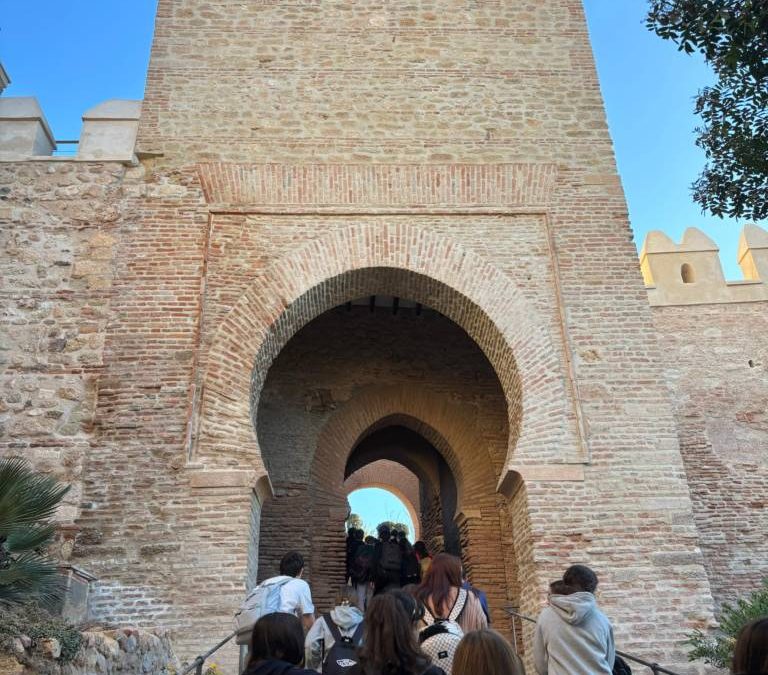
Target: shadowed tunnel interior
[437,485]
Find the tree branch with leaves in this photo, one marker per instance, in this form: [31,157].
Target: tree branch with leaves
[732,35]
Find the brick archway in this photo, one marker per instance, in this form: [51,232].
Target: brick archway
[395,479]
[404,261]
[445,424]
[436,417]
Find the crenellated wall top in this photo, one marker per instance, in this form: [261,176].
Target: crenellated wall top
[690,273]
[108,133]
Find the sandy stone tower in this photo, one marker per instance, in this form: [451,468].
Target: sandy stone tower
[363,243]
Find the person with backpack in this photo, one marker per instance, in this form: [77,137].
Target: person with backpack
[361,572]
[331,643]
[354,542]
[287,592]
[485,652]
[480,595]
[444,598]
[424,557]
[410,572]
[389,639]
[277,646]
[388,561]
[573,637]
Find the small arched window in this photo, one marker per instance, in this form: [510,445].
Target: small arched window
[686,272]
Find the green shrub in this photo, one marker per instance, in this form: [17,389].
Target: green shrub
[37,624]
[717,650]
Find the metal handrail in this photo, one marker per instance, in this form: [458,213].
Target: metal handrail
[655,667]
[197,664]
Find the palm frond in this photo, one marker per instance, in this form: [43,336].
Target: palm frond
[30,576]
[26,497]
[30,537]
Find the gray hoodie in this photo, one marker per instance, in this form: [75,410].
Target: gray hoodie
[573,637]
[346,617]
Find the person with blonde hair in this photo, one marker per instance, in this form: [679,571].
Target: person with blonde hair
[485,652]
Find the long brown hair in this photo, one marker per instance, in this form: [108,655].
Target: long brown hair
[389,641]
[750,655]
[487,652]
[443,575]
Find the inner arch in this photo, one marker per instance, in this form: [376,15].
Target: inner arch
[367,382]
[437,484]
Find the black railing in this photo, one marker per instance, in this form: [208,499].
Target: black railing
[654,667]
[199,662]
[70,151]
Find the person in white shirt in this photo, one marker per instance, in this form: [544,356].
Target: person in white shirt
[295,595]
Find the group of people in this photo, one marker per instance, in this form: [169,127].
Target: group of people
[438,626]
[386,562]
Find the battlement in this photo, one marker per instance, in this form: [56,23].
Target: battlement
[690,273]
[108,133]
[4,79]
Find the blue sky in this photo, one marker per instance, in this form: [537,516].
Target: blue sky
[375,505]
[74,54]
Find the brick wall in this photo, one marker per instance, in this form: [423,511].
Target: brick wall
[59,228]
[716,357]
[433,82]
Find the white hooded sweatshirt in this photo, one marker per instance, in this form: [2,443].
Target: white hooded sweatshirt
[346,617]
[573,637]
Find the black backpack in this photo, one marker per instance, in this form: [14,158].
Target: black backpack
[411,568]
[391,557]
[361,568]
[341,659]
[621,667]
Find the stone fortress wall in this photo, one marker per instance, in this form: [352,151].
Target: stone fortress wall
[141,288]
[713,341]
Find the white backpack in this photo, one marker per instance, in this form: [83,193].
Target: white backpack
[441,637]
[264,599]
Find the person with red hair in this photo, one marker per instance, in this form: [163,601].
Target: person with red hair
[441,594]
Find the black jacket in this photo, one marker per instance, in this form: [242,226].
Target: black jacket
[275,667]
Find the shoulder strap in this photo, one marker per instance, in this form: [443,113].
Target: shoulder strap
[458,606]
[332,627]
[428,617]
[357,636]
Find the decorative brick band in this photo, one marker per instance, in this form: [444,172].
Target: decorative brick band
[347,185]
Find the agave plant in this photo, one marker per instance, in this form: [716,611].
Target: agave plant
[28,501]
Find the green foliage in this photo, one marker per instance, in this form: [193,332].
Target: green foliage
[355,521]
[396,526]
[37,624]
[718,650]
[732,35]
[27,502]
